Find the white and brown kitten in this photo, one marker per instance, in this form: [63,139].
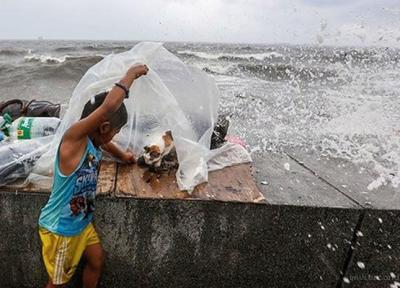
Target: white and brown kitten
[159,148]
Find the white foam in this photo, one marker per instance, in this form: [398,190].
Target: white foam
[364,132]
[377,183]
[45,59]
[395,285]
[367,119]
[48,59]
[361,265]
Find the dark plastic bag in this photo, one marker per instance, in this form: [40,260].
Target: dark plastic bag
[12,107]
[17,108]
[220,131]
[41,109]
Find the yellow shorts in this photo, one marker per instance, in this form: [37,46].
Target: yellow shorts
[61,254]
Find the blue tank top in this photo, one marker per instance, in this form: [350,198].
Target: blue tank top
[71,204]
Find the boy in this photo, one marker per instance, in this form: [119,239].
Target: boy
[65,226]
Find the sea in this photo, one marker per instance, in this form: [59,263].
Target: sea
[341,102]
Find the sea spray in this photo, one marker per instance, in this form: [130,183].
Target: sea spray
[339,102]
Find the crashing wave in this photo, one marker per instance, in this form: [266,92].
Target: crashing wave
[44,59]
[282,72]
[65,67]
[47,59]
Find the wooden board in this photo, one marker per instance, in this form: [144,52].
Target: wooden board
[107,177]
[105,184]
[233,183]
[21,186]
[133,180]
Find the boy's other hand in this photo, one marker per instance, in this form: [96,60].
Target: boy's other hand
[137,70]
[124,156]
[128,157]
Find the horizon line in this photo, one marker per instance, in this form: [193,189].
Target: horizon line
[205,42]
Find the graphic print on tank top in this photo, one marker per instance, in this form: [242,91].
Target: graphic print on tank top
[83,197]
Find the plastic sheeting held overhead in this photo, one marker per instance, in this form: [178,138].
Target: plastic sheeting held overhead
[172,96]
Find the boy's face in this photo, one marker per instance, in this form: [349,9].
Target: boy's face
[106,138]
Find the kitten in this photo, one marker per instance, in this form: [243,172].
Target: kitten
[160,154]
[158,149]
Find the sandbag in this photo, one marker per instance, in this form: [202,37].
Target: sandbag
[172,96]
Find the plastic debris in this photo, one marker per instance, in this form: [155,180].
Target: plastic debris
[33,127]
[18,158]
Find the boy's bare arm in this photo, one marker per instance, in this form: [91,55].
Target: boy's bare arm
[75,138]
[111,103]
[114,150]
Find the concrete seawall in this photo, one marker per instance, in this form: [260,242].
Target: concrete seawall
[181,243]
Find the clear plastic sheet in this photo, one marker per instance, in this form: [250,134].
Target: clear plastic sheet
[17,158]
[172,96]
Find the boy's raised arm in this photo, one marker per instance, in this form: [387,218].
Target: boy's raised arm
[111,103]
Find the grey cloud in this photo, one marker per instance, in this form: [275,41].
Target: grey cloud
[261,21]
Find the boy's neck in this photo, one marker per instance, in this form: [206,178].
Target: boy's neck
[95,140]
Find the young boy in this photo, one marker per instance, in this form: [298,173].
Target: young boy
[65,223]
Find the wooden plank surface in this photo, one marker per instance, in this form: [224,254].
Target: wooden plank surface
[21,186]
[105,184]
[133,180]
[107,178]
[234,183]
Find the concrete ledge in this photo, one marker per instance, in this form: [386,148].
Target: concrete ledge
[375,259]
[181,243]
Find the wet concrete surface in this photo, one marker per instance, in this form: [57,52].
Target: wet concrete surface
[352,180]
[181,243]
[321,227]
[376,256]
[313,180]
[284,181]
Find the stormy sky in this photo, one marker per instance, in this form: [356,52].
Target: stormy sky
[323,22]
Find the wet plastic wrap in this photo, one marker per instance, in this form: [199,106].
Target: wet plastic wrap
[18,158]
[172,96]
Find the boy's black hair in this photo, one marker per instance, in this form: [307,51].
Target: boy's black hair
[117,120]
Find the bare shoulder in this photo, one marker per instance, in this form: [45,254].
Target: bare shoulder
[70,153]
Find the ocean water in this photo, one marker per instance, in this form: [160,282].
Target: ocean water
[341,102]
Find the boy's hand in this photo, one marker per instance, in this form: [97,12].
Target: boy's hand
[137,71]
[128,157]
[125,156]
